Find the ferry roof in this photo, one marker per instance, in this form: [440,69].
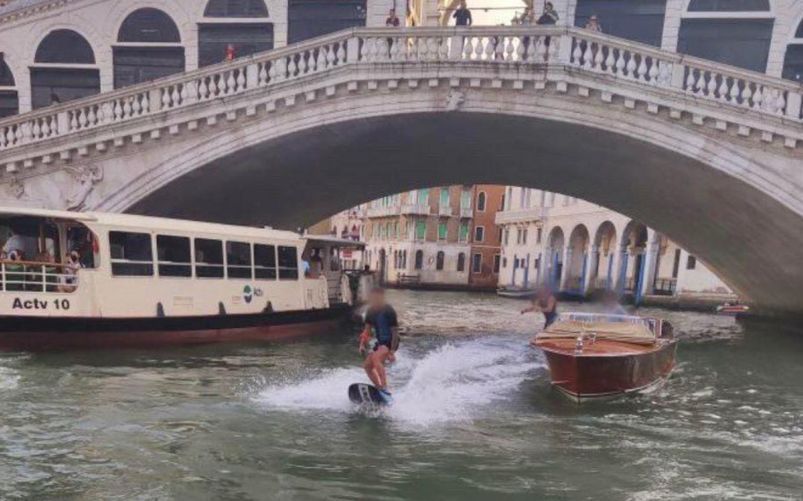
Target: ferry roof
[151,223]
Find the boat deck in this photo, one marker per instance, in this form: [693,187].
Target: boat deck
[598,347]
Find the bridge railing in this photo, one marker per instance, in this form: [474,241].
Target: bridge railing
[524,46]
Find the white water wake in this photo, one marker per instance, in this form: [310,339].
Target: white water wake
[454,382]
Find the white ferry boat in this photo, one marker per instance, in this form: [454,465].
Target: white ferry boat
[91,280]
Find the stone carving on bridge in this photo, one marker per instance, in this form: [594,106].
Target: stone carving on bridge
[455,100]
[15,188]
[85,177]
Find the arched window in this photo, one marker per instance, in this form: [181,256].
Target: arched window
[637,20]
[148,47]
[313,18]
[461,262]
[64,69]
[419,259]
[233,28]
[439,260]
[481,199]
[64,47]
[793,61]
[9,102]
[736,32]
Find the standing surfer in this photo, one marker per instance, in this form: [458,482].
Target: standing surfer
[380,321]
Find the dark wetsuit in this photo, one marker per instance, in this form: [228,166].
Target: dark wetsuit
[383,321]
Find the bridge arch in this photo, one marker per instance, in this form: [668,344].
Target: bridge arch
[332,156]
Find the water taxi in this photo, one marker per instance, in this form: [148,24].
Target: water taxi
[599,356]
[92,280]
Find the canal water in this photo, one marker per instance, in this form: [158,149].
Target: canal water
[474,418]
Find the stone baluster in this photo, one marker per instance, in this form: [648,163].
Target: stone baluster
[588,56]
[577,53]
[793,105]
[734,92]
[631,66]
[641,71]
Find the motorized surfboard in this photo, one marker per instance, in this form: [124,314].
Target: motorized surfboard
[363,393]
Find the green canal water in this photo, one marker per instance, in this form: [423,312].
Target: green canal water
[474,418]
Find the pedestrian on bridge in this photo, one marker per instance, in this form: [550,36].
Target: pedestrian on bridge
[462,15]
[550,15]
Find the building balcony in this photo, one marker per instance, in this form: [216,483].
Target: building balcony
[530,215]
[415,209]
[388,211]
[466,212]
[445,211]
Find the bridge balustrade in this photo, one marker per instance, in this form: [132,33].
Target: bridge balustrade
[530,48]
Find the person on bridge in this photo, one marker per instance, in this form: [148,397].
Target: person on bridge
[593,24]
[545,302]
[550,15]
[393,20]
[462,15]
[381,322]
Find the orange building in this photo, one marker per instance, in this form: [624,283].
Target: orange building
[486,237]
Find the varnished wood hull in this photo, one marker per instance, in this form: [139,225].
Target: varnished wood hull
[602,375]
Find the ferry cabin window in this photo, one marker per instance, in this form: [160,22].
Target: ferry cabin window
[131,254]
[208,258]
[238,260]
[174,256]
[288,263]
[265,262]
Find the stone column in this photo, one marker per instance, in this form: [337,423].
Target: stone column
[589,276]
[649,268]
[564,272]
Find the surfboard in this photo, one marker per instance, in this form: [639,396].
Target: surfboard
[362,393]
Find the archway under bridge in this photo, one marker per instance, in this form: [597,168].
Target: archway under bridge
[751,239]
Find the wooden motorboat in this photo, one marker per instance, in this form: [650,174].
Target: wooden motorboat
[595,356]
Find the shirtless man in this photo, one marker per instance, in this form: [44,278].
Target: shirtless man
[544,302]
[380,321]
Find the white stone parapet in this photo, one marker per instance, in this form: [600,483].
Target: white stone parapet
[639,73]
[530,215]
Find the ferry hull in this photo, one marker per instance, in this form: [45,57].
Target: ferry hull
[52,334]
[598,377]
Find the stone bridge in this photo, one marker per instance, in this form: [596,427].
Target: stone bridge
[708,154]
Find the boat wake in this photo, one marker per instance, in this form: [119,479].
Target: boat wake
[456,381]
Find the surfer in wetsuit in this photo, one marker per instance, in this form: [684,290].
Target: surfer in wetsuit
[544,301]
[382,322]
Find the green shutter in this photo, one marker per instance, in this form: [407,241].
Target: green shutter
[444,197]
[420,230]
[442,231]
[463,232]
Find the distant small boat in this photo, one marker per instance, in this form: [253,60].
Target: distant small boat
[597,356]
[515,292]
[732,309]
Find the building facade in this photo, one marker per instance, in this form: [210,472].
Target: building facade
[54,51]
[577,247]
[486,237]
[421,237]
